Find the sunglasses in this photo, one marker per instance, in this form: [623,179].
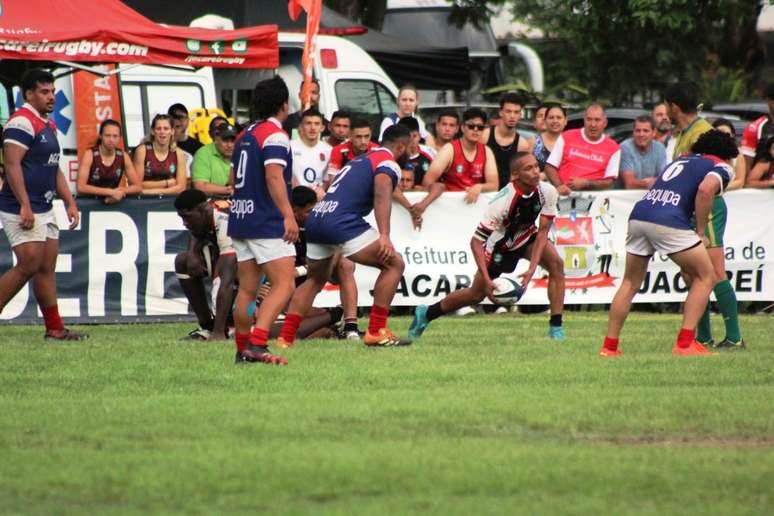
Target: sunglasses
[475,127]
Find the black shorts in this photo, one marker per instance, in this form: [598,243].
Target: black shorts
[500,262]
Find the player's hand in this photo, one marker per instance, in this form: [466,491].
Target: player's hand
[417,210]
[117,195]
[320,191]
[416,222]
[386,249]
[489,288]
[472,194]
[577,183]
[563,189]
[291,230]
[263,291]
[26,217]
[526,277]
[72,215]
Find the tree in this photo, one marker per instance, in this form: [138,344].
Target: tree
[620,50]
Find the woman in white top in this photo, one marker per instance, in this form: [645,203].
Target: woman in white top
[408,100]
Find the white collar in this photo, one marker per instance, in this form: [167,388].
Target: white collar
[275,122]
[585,138]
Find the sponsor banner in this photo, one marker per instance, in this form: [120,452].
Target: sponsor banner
[96,100]
[118,265]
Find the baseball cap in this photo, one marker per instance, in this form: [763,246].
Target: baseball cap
[225,131]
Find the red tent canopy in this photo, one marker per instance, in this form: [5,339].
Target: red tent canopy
[109,31]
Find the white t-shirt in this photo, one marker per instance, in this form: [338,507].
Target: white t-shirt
[388,121]
[309,163]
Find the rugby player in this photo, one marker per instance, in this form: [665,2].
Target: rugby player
[661,221]
[261,223]
[681,104]
[32,179]
[507,234]
[210,254]
[310,154]
[336,226]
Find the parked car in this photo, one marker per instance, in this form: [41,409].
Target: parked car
[744,110]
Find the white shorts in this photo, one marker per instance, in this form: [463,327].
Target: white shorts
[348,248]
[262,250]
[644,238]
[45,227]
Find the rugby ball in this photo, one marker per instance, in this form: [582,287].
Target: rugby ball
[507,291]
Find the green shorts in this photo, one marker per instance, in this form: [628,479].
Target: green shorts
[716,223]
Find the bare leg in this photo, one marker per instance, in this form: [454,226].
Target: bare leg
[193,288]
[697,264]
[249,275]
[282,280]
[318,272]
[44,281]
[29,257]
[389,277]
[469,296]
[346,272]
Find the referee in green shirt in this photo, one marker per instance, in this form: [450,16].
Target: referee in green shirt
[212,163]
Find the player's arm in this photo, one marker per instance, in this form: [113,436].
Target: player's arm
[383,188]
[754,179]
[275,183]
[541,239]
[227,266]
[63,191]
[133,179]
[491,179]
[477,248]
[740,174]
[14,154]
[431,182]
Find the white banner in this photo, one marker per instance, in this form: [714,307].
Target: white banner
[590,234]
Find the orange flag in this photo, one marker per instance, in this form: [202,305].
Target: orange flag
[313,10]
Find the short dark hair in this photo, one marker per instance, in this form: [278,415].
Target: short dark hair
[312,112]
[189,199]
[516,157]
[176,111]
[450,112]
[268,97]
[724,122]
[340,114]
[645,119]
[768,93]
[302,196]
[313,81]
[471,113]
[394,133]
[359,123]
[683,95]
[410,123]
[554,105]
[33,77]
[512,97]
[717,143]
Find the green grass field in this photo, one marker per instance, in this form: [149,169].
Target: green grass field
[485,415]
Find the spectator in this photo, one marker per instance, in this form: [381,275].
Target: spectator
[540,118]
[447,125]
[682,109]
[503,138]
[585,159]
[102,168]
[762,173]
[291,123]
[464,165]
[180,121]
[407,181]
[310,154]
[161,162]
[740,167]
[419,156]
[212,163]
[493,120]
[338,128]
[759,130]
[555,120]
[642,157]
[408,101]
[663,125]
[359,143]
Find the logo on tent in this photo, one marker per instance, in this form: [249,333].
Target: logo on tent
[217,47]
[239,46]
[193,45]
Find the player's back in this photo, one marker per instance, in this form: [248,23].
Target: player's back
[253,212]
[350,197]
[671,200]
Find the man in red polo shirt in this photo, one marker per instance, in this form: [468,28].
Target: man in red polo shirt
[585,159]
[359,143]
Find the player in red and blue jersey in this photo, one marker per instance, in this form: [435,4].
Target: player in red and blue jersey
[336,226]
[661,221]
[261,223]
[33,178]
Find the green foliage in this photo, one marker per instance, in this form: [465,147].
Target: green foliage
[484,415]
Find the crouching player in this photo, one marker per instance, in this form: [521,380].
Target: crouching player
[336,225]
[210,253]
[505,235]
[661,221]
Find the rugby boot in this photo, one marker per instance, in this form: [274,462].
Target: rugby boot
[65,334]
[419,324]
[384,338]
[695,349]
[262,354]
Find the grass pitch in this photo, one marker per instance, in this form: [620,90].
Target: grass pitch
[484,415]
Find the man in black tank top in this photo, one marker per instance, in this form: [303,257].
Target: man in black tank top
[503,138]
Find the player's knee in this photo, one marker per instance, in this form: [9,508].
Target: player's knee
[345,268]
[555,267]
[30,265]
[398,264]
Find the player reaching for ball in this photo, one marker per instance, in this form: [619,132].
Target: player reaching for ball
[505,235]
[661,221]
[336,226]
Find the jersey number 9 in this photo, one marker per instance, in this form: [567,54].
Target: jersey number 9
[239,172]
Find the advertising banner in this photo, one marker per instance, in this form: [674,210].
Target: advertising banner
[118,265]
